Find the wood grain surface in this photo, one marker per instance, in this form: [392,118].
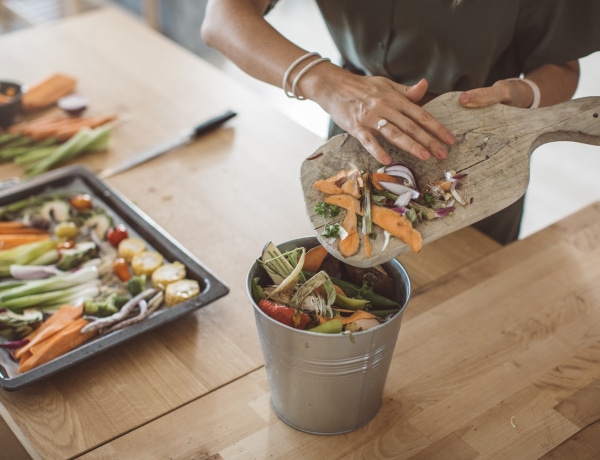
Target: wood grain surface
[497,359]
[493,146]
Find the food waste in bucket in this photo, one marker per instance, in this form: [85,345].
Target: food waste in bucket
[327,382]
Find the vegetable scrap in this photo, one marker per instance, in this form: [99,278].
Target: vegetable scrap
[47,91]
[311,290]
[389,198]
[69,273]
[39,145]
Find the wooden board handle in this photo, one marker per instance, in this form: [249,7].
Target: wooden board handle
[577,120]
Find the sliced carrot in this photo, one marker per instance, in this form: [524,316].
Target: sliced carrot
[388,219]
[337,184]
[314,258]
[9,241]
[367,245]
[376,178]
[398,225]
[344,201]
[62,128]
[47,91]
[55,323]
[67,339]
[27,127]
[351,244]
[351,187]
[12,224]
[358,314]
[67,132]
[18,228]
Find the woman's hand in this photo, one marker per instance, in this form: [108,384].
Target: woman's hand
[556,83]
[515,93]
[367,107]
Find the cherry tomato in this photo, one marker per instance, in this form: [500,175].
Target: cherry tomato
[81,202]
[121,269]
[116,234]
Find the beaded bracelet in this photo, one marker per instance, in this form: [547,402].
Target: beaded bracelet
[534,87]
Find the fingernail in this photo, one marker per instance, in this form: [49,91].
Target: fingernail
[463,98]
[424,154]
[386,160]
[450,139]
[441,153]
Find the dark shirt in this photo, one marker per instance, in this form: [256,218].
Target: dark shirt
[457,48]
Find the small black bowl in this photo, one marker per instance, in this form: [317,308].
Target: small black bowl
[10,109]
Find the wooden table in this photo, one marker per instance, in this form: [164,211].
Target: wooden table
[499,351]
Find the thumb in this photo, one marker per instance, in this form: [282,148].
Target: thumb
[416,92]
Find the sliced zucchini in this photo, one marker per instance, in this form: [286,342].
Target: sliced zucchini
[56,211]
[99,224]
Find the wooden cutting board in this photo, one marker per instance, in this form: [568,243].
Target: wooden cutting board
[493,145]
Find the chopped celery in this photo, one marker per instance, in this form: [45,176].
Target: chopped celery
[85,140]
[22,255]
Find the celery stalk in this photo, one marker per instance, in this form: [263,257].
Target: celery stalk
[22,255]
[54,283]
[67,296]
[85,140]
[65,150]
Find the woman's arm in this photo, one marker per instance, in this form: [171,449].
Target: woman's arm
[556,83]
[238,29]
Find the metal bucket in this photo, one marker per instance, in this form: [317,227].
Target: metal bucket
[322,383]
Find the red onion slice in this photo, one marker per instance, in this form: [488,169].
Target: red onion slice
[403,199]
[399,189]
[400,170]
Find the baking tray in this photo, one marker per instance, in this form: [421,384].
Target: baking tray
[80,179]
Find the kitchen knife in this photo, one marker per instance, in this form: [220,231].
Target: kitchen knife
[164,147]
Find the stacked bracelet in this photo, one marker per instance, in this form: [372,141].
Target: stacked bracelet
[292,66]
[534,87]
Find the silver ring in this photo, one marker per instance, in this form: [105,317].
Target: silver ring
[381,123]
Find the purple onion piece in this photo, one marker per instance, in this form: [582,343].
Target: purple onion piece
[14,344]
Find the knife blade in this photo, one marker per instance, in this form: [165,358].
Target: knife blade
[183,138]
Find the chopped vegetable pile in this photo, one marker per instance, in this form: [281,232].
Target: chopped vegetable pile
[389,198]
[69,273]
[39,145]
[313,291]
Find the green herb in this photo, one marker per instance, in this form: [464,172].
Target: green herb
[327,210]
[429,199]
[331,231]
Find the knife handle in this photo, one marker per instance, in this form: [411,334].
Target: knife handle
[212,123]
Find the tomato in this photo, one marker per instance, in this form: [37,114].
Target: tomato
[284,314]
[116,234]
[81,202]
